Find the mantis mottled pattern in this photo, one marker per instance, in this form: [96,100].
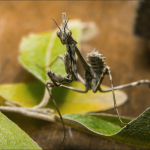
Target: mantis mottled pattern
[95,69]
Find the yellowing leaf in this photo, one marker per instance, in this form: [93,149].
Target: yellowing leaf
[68,101]
[74,102]
[28,95]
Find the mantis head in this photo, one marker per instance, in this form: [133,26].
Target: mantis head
[64,34]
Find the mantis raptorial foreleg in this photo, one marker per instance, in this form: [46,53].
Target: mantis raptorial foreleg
[68,66]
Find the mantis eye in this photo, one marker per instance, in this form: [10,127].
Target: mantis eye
[58,33]
[69,33]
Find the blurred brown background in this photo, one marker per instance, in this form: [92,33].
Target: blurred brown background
[126,54]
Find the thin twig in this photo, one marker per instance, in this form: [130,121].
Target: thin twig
[44,101]
[28,112]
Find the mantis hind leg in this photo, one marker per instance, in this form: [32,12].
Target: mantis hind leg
[107,71]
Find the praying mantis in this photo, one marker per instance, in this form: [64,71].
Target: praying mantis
[94,67]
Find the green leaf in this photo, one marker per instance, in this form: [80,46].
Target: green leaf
[37,51]
[30,94]
[111,118]
[12,137]
[33,54]
[137,133]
